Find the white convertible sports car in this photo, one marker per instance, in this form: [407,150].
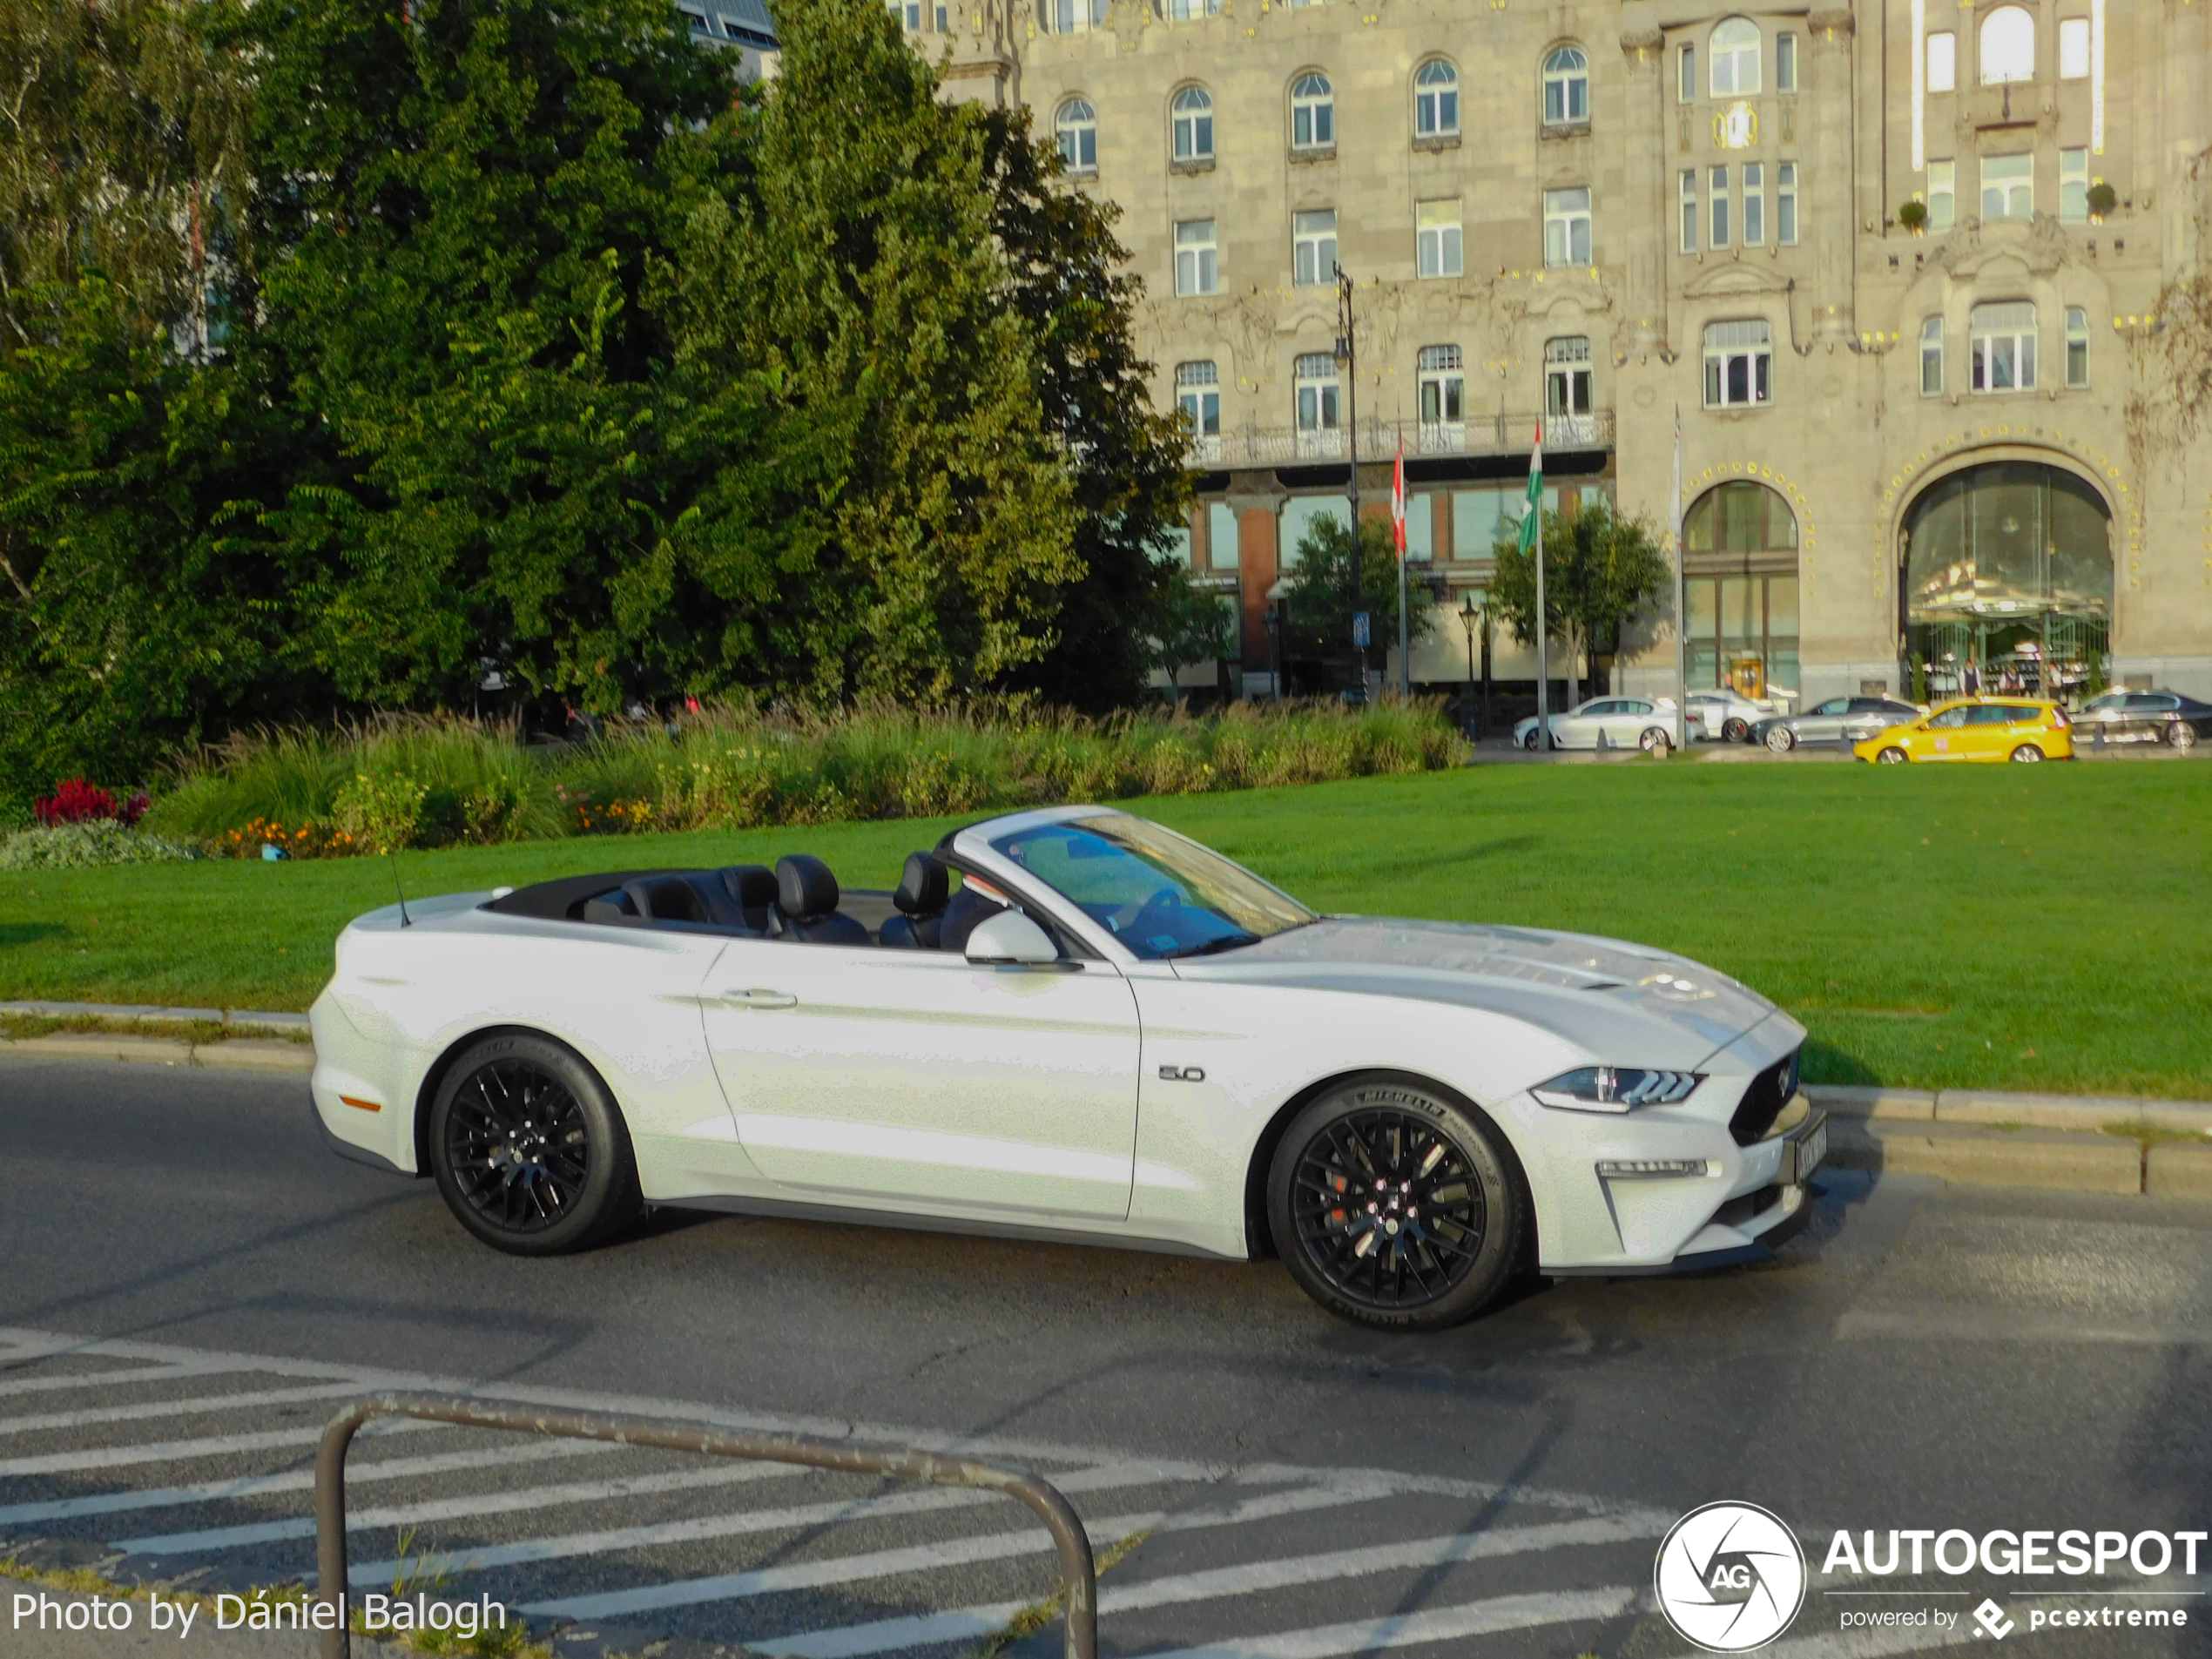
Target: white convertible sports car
[1105,1032]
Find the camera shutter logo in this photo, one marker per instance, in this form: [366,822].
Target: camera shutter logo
[1730,1577]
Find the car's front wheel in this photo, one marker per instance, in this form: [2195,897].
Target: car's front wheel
[2027,752]
[1530,740]
[1654,738]
[1394,1206]
[529,1149]
[1780,739]
[1893,756]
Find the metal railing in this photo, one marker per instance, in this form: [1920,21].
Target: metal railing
[1480,434]
[1078,1576]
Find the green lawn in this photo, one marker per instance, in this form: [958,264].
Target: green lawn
[2047,928]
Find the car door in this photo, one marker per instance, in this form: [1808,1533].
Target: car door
[1823,722]
[1989,731]
[1577,727]
[864,1075]
[1630,719]
[1942,736]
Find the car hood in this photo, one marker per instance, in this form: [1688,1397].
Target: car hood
[1670,1010]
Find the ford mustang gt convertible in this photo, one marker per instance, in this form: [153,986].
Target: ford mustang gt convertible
[1071,1023]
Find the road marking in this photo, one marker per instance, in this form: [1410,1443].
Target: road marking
[116,1457]
[1907,1326]
[730,1587]
[889,1636]
[479,1503]
[401,1468]
[1430,1624]
[109,1378]
[208,1403]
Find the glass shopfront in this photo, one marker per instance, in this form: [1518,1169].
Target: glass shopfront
[1740,566]
[2008,581]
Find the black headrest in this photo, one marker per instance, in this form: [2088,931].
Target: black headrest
[752,885]
[666,897]
[804,886]
[923,886]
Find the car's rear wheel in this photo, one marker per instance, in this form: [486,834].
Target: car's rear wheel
[2027,752]
[1394,1206]
[2181,735]
[1780,739]
[1893,756]
[1735,730]
[529,1149]
[1655,738]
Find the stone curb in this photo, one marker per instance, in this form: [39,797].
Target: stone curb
[143,1013]
[2079,1113]
[237,1054]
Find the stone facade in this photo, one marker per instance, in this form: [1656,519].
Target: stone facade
[1977,428]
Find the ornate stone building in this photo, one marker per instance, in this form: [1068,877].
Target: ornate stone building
[1921,278]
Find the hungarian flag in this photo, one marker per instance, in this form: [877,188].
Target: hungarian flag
[1398,497]
[1531,516]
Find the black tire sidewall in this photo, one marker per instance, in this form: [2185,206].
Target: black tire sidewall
[610,1198]
[1505,1208]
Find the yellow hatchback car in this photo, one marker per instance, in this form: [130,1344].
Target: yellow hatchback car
[1977,728]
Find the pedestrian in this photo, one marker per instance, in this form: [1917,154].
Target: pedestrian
[1970,679]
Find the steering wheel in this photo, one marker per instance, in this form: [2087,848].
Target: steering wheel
[1155,913]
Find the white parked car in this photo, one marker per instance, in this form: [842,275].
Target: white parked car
[1625,722]
[1728,714]
[1107,1032]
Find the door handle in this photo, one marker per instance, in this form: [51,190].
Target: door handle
[759,998]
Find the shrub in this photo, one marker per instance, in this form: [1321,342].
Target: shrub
[1913,215]
[76,843]
[76,801]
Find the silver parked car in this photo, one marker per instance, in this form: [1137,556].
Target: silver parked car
[1840,719]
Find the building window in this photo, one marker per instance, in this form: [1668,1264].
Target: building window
[2077,346]
[1719,199]
[1197,265]
[1943,194]
[1440,238]
[1313,113]
[1566,376]
[944,18]
[2074,49]
[1077,125]
[2004,347]
[1193,125]
[1739,364]
[1943,62]
[1567,228]
[1689,210]
[1197,391]
[2008,187]
[1785,203]
[909,12]
[1754,205]
[1436,99]
[1785,63]
[2007,46]
[1191,11]
[1932,357]
[1443,388]
[1686,84]
[1736,58]
[1566,87]
[2074,187]
[1315,384]
[1313,247]
[1077,16]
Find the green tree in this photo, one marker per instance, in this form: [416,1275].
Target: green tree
[1190,625]
[1600,572]
[1319,591]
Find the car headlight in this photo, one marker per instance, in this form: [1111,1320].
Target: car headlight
[1614,1089]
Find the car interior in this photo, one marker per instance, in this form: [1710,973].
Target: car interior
[799,901]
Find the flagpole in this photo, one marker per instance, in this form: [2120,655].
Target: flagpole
[1397,505]
[1543,659]
[1682,603]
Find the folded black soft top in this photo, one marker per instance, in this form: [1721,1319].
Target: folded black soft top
[562,899]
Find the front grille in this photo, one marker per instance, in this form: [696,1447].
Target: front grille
[1736,1211]
[1764,1101]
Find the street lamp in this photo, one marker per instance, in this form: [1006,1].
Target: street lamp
[1470,620]
[1347,357]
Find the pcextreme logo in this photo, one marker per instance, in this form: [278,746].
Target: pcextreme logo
[1730,1577]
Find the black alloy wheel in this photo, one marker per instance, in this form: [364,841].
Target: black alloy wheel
[529,1149]
[1393,1206]
[1735,730]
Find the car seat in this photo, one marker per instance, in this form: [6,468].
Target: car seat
[743,895]
[966,911]
[806,898]
[924,887]
[666,897]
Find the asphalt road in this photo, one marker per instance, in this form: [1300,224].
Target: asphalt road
[1920,1359]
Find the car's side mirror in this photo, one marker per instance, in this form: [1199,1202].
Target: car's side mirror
[1011,938]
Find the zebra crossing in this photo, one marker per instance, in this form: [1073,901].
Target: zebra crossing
[166,1464]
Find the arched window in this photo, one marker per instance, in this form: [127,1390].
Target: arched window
[1077,125]
[1736,58]
[1193,125]
[1313,113]
[1566,87]
[1740,570]
[2007,46]
[1436,99]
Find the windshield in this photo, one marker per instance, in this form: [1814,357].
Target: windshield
[1158,892]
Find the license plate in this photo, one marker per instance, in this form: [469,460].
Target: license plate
[1811,1149]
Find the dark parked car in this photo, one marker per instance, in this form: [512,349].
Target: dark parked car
[1840,719]
[2145,716]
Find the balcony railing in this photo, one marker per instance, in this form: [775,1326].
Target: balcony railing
[1485,435]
